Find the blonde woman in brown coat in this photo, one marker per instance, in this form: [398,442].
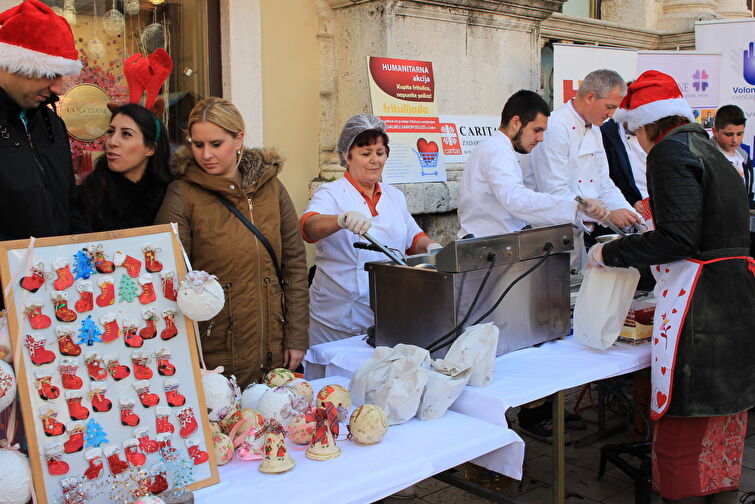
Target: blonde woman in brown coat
[263,325]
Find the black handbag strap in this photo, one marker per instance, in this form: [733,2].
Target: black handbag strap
[257,233]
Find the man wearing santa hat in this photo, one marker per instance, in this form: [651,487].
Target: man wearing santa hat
[37,189]
[702,371]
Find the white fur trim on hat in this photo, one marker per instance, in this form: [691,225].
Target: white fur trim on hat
[651,112]
[19,60]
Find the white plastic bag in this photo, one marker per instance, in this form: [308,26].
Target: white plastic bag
[476,348]
[393,378]
[445,382]
[602,305]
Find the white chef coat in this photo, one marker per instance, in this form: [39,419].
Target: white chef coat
[339,294]
[493,198]
[571,160]
[638,162]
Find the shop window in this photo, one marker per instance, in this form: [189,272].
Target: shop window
[107,33]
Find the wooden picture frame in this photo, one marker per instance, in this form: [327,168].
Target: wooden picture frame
[15,258]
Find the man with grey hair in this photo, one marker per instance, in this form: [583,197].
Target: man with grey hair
[571,160]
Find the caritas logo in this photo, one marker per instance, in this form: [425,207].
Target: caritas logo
[449,138]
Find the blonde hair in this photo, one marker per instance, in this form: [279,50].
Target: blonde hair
[218,111]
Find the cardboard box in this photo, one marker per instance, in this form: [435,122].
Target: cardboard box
[638,326]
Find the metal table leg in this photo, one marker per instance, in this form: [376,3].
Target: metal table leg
[559,450]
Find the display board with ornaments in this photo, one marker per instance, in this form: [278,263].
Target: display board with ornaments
[108,368]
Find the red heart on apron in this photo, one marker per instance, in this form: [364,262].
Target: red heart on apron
[665,292]
[660,397]
[682,292]
[663,370]
[655,341]
[673,311]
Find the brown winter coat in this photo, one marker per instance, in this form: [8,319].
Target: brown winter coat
[249,335]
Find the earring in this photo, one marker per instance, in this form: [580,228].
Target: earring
[238,152]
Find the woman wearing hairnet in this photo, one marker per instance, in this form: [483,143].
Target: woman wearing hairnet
[340,211]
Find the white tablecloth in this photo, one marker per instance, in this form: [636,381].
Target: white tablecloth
[408,454]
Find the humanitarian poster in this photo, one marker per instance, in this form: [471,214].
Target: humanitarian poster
[696,72]
[572,62]
[460,135]
[403,95]
[735,40]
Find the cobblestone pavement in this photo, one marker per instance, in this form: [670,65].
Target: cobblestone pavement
[582,485]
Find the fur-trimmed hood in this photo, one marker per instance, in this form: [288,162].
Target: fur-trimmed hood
[256,165]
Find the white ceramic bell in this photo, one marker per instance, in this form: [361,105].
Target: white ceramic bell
[323,445]
[275,453]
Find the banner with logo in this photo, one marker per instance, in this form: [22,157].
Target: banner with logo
[572,62]
[403,95]
[460,135]
[735,39]
[697,73]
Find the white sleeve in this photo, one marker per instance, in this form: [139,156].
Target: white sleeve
[609,193]
[323,202]
[534,208]
[549,162]
[412,228]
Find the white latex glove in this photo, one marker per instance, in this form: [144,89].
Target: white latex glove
[354,221]
[595,257]
[595,210]
[433,246]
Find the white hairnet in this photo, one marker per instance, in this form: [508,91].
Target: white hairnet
[353,127]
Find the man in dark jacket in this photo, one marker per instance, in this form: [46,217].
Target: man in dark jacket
[37,188]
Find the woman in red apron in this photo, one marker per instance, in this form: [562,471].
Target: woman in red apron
[703,370]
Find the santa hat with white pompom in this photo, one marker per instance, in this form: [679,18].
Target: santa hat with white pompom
[35,42]
[653,96]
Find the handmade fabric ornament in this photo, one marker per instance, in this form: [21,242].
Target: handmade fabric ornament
[85,302]
[53,454]
[146,444]
[242,420]
[147,398]
[112,331]
[276,458]
[147,295]
[35,280]
[60,304]
[48,415]
[106,297]
[117,370]
[15,476]
[162,420]
[38,354]
[200,296]
[141,369]
[368,424]
[147,75]
[76,410]
[96,463]
[95,436]
[68,377]
[197,455]
[252,395]
[43,382]
[301,387]
[150,317]
[170,331]
[164,366]
[278,377]
[65,341]
[150,258]
[33,312]
[82,268]
[134,456]
[223,448]
[65,278]
[323,445]
[100,403]
[95,366]
[8,385]
[127,290]
[101,263]
[301,428]
[133,266]
[338,395]
[159,481]
[168,279]
[114,461]
[219,395]
[280,404]
[131,334]
[128,417]
[75,441]
[89,333]
[172,395]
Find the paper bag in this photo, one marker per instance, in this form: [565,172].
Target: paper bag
[476,348]
[393,378]
[445,382]
[602,305]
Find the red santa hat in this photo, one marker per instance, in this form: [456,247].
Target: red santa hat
[654,95]
[36,42]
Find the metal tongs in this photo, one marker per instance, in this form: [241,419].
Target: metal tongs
[613,227]
[393,257]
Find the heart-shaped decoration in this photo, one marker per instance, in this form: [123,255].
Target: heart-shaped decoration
[660,398]
[673,311]
[658,268]
[667,270]
[655,341]
[425,146]
[394,77]
[663,370]
[682,292]
[665,291]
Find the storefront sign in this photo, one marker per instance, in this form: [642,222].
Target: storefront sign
[403,95]
[735,39]
[461,134]
[84,110]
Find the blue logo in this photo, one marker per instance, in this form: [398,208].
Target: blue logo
[748,65]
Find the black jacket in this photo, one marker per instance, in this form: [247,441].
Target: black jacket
[37,188]
[619,166]
[701,212]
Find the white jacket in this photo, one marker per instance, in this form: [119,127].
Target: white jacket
[571,160]
[493,199]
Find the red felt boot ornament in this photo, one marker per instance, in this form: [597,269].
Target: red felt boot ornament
[95,367]
[162,420]
[164,366]
[33,311]
[76,410]
[151,263]
[60,303]
[128,417]
[101,262]
[68,376]
[37,352]
[148,290]
[172,395]
[86,296]
[130,335]
[197,455]
[75,441]
[159,481]
[65,277]
[146,444]
[188,422]
[169,285]
[140,360]
[45,388]
[114,461]
[96,463]
[53,454]
[147,398]
[65,341]
[107,291]
[100,403]
[117,370]
[133,266]
[112,331]
[51,427]
[150,331]
[170,331]
[133,454]
[36,278]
